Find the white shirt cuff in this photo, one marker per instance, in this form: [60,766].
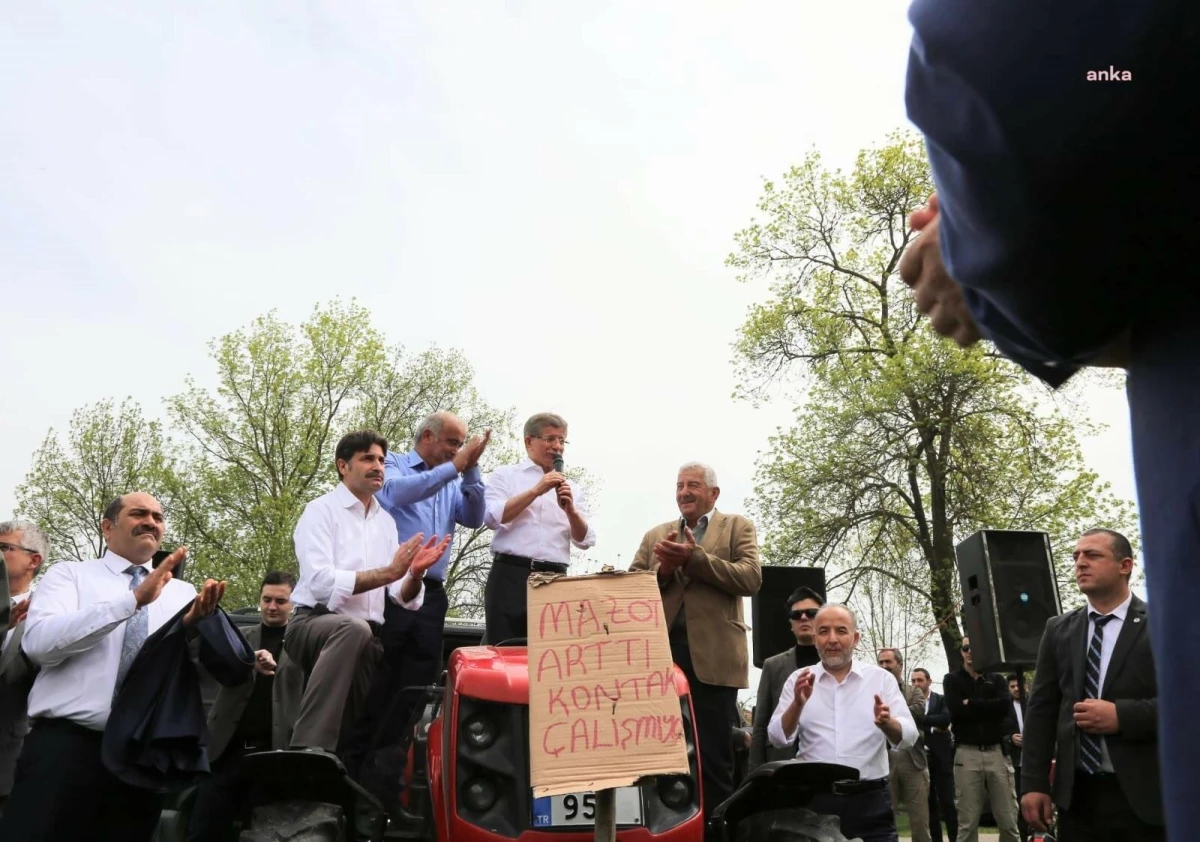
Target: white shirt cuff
[415,603]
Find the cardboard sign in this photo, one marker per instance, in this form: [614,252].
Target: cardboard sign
[603,710]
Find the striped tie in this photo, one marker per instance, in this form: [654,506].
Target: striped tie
[1090,752]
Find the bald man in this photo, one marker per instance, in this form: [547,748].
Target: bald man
[850,713]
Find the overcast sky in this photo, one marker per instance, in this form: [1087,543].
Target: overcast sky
[550,187]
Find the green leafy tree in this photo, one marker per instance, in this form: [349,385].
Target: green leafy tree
[904,444]
[108,451]
[259,446]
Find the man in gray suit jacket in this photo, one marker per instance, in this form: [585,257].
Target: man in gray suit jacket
[908,775]
[255,716]
[24,547]
[803,605]
[1094,709]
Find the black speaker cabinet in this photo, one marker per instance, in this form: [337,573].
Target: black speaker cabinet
[1009,592]
[769,607]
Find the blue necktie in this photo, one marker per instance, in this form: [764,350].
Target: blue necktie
[135,628]
[1090,751]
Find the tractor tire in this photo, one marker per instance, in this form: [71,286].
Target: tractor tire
[795,825]
[296,821]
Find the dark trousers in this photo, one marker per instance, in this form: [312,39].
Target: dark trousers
[506,603]
[412,657]
[1022,825]
[867,815]
[1100,813]
[941,797]
[63,793]
[716,713]
[219,797]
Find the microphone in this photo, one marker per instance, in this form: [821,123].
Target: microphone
[558,462]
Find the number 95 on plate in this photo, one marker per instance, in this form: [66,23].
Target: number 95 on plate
[579,808]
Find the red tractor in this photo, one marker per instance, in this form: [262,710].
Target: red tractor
[467,774]
[466,769]
[476,788]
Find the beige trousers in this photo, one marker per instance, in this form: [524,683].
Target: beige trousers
[979,775]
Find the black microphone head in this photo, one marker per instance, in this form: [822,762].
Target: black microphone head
[558,462]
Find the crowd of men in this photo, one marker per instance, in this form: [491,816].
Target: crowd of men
[338,644]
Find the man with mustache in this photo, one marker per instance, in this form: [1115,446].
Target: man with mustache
[706,562]
[84,629]
[349,558]
[846,712]
[803,605]
[433,488]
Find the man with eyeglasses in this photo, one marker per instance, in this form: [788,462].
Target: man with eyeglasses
[24,548]
[430,490]
[979,709]
[803,605]
[534,530]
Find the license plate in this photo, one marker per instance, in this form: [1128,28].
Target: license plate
[579,808]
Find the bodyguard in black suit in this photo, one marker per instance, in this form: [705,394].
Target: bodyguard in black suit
[939,749]
[1094,693]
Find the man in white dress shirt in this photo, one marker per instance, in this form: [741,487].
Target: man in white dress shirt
[349,558]
[535,530]
[24,548]
[84,628]
[848,713]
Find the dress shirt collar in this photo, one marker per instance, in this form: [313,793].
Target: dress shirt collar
[412,459]
[20,597]
[118,564]
[344,498]
[820,672]
[528,464]
[1119,612]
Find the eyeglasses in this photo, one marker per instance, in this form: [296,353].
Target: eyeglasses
[6,547]
[553,439]
[966,647]
[806,613]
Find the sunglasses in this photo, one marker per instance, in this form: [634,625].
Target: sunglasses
[966,647]
[806,613]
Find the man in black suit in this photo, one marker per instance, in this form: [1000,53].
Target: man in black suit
[1013,740]
[939,749]
[1094,708]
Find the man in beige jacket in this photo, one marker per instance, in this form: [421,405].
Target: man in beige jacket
[706,562]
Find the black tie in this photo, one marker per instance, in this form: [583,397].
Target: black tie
[1090,752]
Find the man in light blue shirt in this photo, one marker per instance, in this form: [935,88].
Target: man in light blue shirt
[424,493]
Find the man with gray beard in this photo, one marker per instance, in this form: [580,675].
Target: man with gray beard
[850,713]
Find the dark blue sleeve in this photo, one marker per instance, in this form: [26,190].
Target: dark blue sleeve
[224,650]
[1056,191]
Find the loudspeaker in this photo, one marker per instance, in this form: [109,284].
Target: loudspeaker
[1009,592]
[769,607]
